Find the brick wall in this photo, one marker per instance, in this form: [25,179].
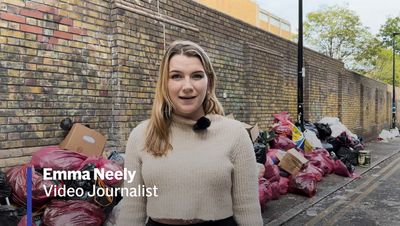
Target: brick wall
[55,63]
[97,61]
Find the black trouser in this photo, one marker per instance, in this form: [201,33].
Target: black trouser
[224,222]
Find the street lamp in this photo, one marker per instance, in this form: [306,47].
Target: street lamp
[394,79]
[300,71]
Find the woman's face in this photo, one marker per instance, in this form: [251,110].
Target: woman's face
[187,86]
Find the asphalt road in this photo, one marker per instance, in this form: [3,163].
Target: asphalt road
[374,199]
[371,199]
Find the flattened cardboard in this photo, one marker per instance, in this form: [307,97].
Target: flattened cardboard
[84,140]
[252,130]
[292,162]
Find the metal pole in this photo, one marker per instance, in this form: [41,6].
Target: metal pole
[300,109]
[394,81]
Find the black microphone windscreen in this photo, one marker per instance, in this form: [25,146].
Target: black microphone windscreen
[202,124]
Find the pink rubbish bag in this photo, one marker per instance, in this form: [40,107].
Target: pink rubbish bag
[73,213]
[102,163]
[275,190]
[341,169]
[24,222]
[271,171]
[283,118]
[313,170]
[283,185]
[303,184]
[57,159]
[283,143]
[320,158]
[283,130]
[16,178]
[264,192]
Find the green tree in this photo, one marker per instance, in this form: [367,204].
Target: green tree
[383,62]
[337,32]
[392,25]
[383,67]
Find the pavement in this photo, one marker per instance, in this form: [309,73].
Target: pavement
[288,208]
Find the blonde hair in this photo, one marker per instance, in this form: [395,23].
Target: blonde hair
[158,131]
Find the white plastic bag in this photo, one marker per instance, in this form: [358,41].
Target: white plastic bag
[112,218]
[385,135]
[312,138]
[336,126]
[395,132]
[329,120]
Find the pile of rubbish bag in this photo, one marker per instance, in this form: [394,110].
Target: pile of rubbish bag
[49,209]
[293,161]
[386,135]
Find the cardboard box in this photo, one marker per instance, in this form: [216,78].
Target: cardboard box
[252,130]
[84,140]
[292,162]
[280,154]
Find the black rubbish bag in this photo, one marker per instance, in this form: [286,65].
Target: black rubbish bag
[5,189]
[107,202]
[66,124]
[107,209]
[117,158]
[10,216]
[260,151]
[324,131]
[345,140]
[86,185]
[348,155]
[261,145]
[334,143]
[264,137]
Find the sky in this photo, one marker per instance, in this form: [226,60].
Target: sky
[373,13]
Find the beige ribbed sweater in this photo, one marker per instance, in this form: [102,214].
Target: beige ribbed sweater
[209,175]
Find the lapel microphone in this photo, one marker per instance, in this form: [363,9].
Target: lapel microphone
[201,124]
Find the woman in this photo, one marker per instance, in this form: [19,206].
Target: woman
[202,163]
